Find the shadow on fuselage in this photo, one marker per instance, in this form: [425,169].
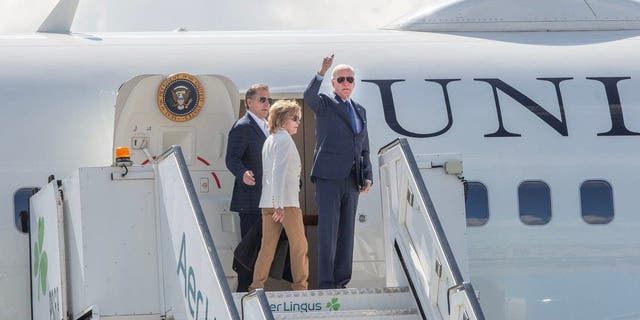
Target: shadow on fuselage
[553,38]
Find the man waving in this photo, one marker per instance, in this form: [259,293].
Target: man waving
[341,170]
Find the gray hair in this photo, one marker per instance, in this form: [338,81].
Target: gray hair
[342,67]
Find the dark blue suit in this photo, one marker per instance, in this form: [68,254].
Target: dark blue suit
[339,155]
[244,152]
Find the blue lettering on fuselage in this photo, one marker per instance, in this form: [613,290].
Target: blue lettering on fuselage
[618,127]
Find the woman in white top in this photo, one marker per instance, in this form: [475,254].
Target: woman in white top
[279,201]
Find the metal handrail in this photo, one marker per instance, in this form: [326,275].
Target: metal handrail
[263,303]
[432,215]
[431,210]
[204,228]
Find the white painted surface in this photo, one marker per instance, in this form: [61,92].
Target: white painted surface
[69,84]
[112,251]
[48,282]
[305,303]
[137,117]
[522,15]
[429,231]
[202,289]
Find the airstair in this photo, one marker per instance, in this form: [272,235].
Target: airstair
[352,303]
[107,266]
[148,241]
[422,271]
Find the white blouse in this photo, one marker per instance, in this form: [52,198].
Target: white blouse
[281,168]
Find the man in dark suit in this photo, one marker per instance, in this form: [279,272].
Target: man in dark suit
[244,160]
[341,170]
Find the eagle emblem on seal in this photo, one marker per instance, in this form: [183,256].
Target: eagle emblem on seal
[180,97]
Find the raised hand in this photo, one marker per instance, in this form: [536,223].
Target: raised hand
[326,64]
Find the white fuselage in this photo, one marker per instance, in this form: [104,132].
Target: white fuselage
[59,93]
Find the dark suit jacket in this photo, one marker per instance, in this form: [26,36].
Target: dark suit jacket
[337,147]
[244,152]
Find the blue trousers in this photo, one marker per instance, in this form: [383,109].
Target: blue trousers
[247,220]
[337,201]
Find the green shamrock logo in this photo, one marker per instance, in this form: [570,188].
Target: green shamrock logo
[333,305]
[40,264]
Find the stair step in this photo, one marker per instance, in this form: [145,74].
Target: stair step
[394,314]
[337,300]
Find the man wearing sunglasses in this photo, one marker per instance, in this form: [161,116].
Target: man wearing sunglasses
[244,160]
[341,170]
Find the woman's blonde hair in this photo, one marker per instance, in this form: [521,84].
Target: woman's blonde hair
[280,111]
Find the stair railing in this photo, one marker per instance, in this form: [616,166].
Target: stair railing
[426,258]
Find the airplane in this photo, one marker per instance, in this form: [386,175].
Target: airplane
[537,104]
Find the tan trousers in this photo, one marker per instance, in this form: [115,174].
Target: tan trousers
[271,230]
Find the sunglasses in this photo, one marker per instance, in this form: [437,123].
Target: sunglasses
[265,99]
[342,79]
[296,118]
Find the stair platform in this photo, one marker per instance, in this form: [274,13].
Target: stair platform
[351,303]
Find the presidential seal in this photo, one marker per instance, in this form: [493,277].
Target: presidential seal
[180,97]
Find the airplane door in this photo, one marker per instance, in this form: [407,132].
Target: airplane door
[196,112]
[305,141]
[48,272]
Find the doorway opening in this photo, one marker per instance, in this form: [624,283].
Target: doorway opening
[305,143]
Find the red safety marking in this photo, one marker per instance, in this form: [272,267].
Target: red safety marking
[217,180]
[147,161]
[203,160]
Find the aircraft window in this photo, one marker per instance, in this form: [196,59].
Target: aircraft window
[534,200]
[476,204]
[21,208]
[596,201]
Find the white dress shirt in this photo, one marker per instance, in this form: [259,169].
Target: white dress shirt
[261,123]
[281,168]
